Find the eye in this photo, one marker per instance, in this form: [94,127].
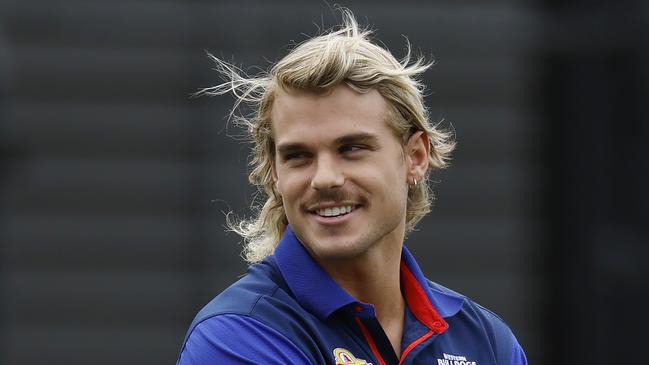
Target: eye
[352,148]
[295,157]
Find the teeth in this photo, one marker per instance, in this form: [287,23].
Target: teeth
[335,211]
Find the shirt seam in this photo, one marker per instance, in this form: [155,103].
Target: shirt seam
[248,313]
[259,297]
[259,320]
[499,356]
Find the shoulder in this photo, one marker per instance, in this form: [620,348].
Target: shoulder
[246,323]
[214,341]
[469,308]
[488,325]
[262,294]
[261,281]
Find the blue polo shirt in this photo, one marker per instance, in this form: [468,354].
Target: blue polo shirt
[288,310]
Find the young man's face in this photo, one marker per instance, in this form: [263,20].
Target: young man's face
[342,174]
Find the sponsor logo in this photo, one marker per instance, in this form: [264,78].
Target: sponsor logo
[455,360]
[344,357]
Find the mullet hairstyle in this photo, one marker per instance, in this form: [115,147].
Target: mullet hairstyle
[342,55]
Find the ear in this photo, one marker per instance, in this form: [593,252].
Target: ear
[417,156]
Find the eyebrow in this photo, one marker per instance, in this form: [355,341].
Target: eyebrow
[361,137]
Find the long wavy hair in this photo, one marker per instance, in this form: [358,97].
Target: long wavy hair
[343,54]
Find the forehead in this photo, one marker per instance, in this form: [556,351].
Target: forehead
[298,116]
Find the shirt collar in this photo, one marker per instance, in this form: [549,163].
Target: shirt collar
[430,306]
[315,290]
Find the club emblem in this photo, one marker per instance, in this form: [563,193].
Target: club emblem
[344,357]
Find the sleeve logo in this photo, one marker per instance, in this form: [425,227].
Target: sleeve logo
[345,357]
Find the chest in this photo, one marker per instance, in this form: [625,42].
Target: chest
[348,342]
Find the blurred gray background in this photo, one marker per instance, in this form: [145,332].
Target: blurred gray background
[114,182]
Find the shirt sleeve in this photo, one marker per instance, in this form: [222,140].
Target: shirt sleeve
[518,355]
[236,340]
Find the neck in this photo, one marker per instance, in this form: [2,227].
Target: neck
[375,278]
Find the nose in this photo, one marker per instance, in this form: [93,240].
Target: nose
[328,174]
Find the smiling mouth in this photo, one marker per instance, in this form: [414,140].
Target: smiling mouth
[335,211]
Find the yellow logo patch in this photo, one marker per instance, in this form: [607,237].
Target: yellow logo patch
[344,357]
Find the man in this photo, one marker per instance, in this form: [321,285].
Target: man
[342,150]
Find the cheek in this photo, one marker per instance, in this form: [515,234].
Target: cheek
[389,189]
[289,186]
[384,175]
[392,183]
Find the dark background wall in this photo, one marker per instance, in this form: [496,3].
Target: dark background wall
[114,182]
[594,93]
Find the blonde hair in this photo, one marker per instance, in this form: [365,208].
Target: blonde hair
[342,55]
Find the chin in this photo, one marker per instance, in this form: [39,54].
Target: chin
[337,249]
[332,243]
